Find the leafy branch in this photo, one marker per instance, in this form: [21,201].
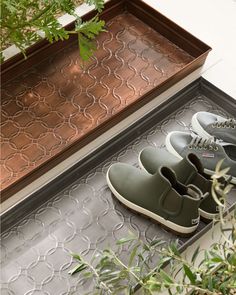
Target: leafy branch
[22,20]
[214,274]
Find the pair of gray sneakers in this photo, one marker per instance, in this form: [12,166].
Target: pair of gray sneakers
[216,140]
[175,192]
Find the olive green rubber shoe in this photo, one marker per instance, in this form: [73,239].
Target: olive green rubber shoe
[209,151]
[189,170]
[159,196]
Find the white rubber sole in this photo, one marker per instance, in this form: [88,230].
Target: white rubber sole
[199,129]
[207,215]
[172,226]
[174,152]
[170,147]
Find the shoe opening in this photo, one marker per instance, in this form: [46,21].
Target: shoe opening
[170,175]
[196,162]
[230,151]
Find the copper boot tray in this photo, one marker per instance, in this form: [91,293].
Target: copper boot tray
[52,106]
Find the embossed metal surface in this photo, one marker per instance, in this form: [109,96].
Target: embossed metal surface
[57,102]
[35,254]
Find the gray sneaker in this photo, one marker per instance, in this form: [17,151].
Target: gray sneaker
[209,125]
[189,170]
[208,151]
[159,196]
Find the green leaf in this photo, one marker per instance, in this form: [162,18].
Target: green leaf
[1,57]
[218,165]
[87,31]
[99,4]
[166,277]
[215,255]
[195,254]
[76,256]
[133,254]
[80,267]
[153,285]
[146,247]
[126,240]
[157,243]
[87,274]
[9,5]
[179,289]
[86,47]
[173,248]
[67,6]
[232,260]
[210,283]
[163,260]
[228,188]
[21,19]
[189,274]
[90,28]
[216,259]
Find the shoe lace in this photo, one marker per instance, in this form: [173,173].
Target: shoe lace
[230,123]
[198,142]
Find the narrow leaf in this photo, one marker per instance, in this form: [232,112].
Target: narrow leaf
[166,277]
[189,274]
[125,240]
[195,254]
[132,255]
[78,268]
[76,256]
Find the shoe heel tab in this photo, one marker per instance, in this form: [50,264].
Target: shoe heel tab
[195,193]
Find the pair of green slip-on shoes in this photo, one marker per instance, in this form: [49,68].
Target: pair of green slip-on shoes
[158,194]
[176,191]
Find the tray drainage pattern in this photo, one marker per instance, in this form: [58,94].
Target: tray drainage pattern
[35,254]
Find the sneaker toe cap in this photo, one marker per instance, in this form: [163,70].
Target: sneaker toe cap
[205,118]
[179,140]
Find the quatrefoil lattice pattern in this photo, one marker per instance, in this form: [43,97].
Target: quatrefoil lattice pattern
[57,102]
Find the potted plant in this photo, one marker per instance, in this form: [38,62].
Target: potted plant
[25,22]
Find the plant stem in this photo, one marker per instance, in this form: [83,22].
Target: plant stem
[102,284]
[196,288]
[37,16]
[127,268]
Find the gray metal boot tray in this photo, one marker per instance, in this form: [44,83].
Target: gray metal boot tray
[77,212]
